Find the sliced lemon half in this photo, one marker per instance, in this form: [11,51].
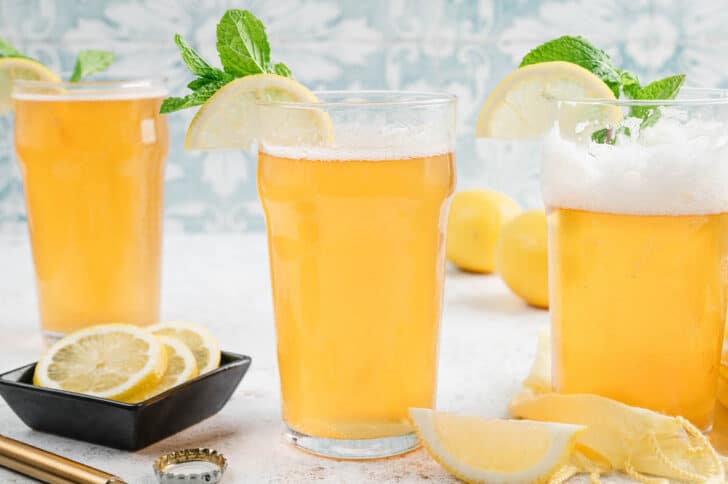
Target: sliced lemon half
[12,68]
[112,361]
[181,367]
[479,450]
[198,339]
[523,104]
[233,119]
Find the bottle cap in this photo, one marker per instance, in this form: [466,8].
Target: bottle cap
[190,465]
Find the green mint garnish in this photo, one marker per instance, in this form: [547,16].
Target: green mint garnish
[630,83]
[242,43]
[579,51]
[90,62]
[7,50]
[667,88]
[243,48]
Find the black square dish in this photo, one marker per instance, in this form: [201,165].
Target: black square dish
[122,425]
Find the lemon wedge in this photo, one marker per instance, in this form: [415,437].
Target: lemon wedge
[12,68]
[233,119]
[112,361]
[522,104]
[198,339]
[478,450]
[181,367]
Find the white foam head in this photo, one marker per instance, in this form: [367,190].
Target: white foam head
[371,143]
[672,168]
[91,91]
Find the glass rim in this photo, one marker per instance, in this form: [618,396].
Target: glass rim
[697,96]
[80,89]
[379,98]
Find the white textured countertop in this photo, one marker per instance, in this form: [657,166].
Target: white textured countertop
[487,344]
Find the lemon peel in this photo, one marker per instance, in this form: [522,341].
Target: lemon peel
[646,445]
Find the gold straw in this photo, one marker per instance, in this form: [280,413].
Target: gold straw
[47,467]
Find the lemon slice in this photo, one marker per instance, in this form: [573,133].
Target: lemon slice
[197,338]
[522,105]
[181,367]
[233,119]
[112,361]
[12,68]
[480,450]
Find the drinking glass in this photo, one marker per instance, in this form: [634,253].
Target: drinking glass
[638,249]
[92,158]
[356,189]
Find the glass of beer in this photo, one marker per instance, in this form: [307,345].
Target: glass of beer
[92,160]
[638,249]
[356,217]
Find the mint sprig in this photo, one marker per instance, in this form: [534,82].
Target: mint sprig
[90,62]
[242,45]
[579,51]
[667,88]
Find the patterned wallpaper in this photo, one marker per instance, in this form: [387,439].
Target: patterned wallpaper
[461,46]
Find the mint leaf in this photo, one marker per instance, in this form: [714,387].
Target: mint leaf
[90,62]
[609,135]
[580,52]
[630,84]
[194,61]
[242,43]
[667,88]
[282,70]
[196,98]
[7,50]
[204,81]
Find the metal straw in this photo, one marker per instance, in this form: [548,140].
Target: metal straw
[47,467]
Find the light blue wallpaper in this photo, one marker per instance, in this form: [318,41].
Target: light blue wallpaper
[461,46]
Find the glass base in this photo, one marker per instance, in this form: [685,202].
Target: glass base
[360,449]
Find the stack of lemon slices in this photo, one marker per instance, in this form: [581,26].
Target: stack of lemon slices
[128,363]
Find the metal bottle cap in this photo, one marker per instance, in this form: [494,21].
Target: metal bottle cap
[190,466]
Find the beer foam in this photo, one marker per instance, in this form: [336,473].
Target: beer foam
[672,168]
[93,95]
[373,144]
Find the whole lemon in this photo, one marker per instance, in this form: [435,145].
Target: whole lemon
[476,218]
[521,257]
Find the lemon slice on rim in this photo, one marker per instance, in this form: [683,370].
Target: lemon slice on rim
[198,339]
[181,367]
[112,361]
[522,105]
[233,119]
[478,450]
[12,68]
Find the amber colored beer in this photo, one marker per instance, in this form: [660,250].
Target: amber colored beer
[638,305]
[93,172]
[357,265]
